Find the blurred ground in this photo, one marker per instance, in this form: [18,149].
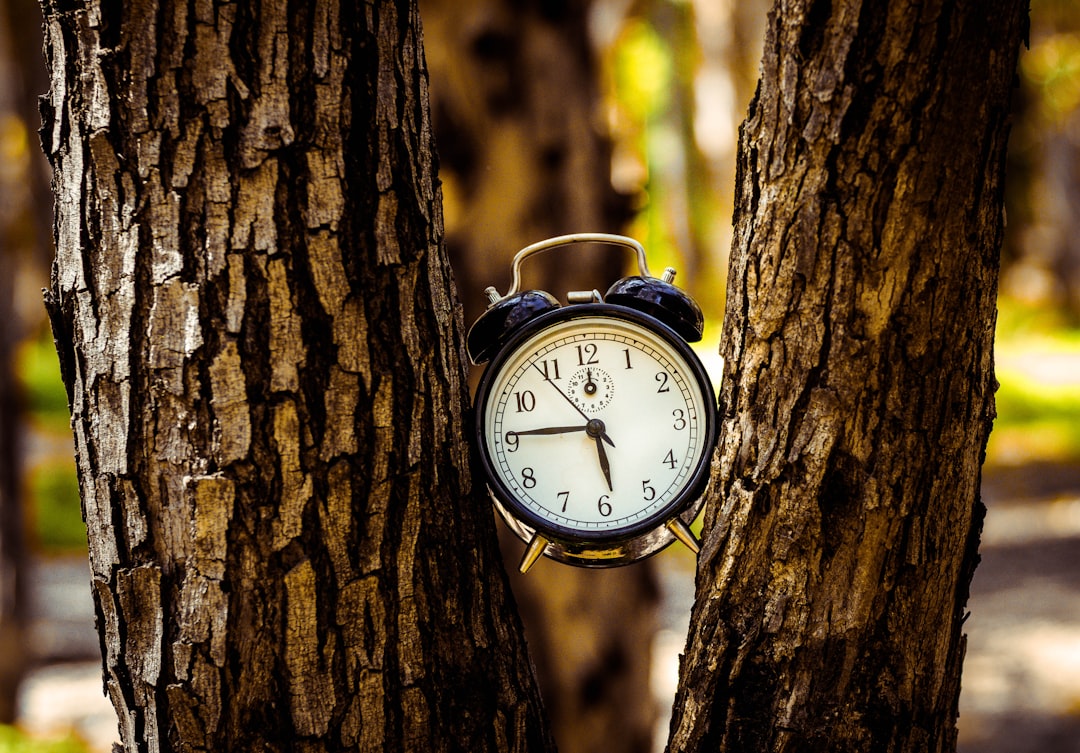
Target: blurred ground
[1021,683]
[64,693]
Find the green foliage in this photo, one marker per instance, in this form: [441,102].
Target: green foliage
[642,88]
[1036,421]
[1050,68]
[12,740]
[1024,401]
[643,72]
[1053,70]
[39,371]
[1038,402]
[651,84]
[56,514]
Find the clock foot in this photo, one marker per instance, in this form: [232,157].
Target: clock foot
[684,534]
[532,552]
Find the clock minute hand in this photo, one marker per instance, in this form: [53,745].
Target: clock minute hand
[550,430]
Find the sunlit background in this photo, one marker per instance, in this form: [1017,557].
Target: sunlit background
[676,80]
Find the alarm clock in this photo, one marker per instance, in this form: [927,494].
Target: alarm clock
[595,421]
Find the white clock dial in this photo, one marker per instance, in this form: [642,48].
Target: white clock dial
[595,426]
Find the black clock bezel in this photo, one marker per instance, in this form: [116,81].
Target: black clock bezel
[698,478]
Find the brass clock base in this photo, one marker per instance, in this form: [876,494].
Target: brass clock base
[684,534]
[598,554]
[533,551]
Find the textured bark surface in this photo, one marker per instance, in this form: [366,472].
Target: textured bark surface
[518,124]
[258,334]
[844,516]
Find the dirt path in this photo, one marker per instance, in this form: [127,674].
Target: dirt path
[1021,684]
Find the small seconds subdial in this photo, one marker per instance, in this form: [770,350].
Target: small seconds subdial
[591,389]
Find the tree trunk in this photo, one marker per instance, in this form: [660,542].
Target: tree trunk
[844,517]
[523,156]
[259,337]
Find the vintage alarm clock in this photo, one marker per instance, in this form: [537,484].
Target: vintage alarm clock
[595,421]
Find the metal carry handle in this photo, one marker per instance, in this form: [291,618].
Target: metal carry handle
[566,240]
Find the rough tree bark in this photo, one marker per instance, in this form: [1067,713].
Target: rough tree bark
[518,123]
[258,334]
[844,518]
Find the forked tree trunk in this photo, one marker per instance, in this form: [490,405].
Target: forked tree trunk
[259,337]
[253,316]
[844,521]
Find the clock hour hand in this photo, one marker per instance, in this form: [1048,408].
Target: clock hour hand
[604,466]
[596,429]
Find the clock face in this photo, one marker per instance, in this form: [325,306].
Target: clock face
[596,425]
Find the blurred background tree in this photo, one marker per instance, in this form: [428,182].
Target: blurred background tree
[1042,255]
[523,155]
[24,233]
[554,118]
[11,558]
